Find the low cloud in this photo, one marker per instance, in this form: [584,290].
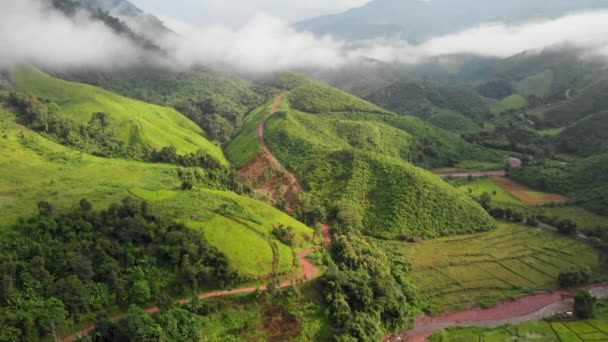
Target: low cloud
[30,32]
[33,33]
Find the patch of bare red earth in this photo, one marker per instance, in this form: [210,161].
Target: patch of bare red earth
[282,184]
[522,192]
[524,309]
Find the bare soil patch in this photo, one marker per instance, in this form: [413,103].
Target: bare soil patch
[269,178]
[525,194]
[280,324]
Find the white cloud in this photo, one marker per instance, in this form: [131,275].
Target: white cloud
[31,33]
[238,12]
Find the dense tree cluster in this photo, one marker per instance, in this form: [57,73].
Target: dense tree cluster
[365,297]
[574,278]
[60,266]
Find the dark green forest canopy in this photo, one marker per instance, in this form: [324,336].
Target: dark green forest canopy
[72,265]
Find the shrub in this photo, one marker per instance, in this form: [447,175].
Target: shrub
[286,235]
[583,305]
[574,277]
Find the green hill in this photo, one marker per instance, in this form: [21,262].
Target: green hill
[586,137]
[588,101]
[425,99]
[313,97]
[355,164]
[34,168]
[217,103]
[135,122]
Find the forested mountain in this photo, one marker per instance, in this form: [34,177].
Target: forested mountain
[166,199]
[416,20]
[143,23]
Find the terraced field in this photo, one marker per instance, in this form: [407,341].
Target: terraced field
[508,262]
[592,330]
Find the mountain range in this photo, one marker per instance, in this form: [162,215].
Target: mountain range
[419,20]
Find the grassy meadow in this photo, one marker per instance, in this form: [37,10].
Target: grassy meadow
[514,102]
[136,122]
[481,269]
[487,185]
[34,168]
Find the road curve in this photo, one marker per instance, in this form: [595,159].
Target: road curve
[529,308]
[309,271]
[473,173]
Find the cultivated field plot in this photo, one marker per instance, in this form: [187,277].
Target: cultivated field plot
[487,185]
[480,269]
[592,330]
[527,195]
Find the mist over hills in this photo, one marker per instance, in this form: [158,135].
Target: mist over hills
[419,20]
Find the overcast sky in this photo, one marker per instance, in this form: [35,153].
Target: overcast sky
[238,12]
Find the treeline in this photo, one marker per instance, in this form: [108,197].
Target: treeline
[73,266]
[366,299]
[584,181]
[218,104]
[98,137]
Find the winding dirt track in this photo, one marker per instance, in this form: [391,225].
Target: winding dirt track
[525,309]
[309,271]
[473,173]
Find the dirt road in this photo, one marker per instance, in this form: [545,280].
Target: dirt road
[309,271]
[473,173]
[283,184]
[528,308]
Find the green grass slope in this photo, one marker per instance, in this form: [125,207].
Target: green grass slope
[588,101]
[215,102]
[363,180]
[33,168]
[313,97]
[425,99]
[136,122]
[355,161]
[586,137]
[514,102]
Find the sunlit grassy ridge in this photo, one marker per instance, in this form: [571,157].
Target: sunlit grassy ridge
[357,165]
[33,168]
[136,122]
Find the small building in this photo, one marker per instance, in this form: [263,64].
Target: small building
[515,163]
[416,239]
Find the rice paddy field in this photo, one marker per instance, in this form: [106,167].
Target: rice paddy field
[481,269]
[487,185]
[594,330]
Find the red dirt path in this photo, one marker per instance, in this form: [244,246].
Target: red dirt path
[473,173]
[288,187]
[326,234]
[309,271]
[528,308]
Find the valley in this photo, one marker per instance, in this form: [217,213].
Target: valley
[401,171]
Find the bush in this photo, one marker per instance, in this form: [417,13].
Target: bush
[583,305]
[567,227]
[286,235]
[574,277]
